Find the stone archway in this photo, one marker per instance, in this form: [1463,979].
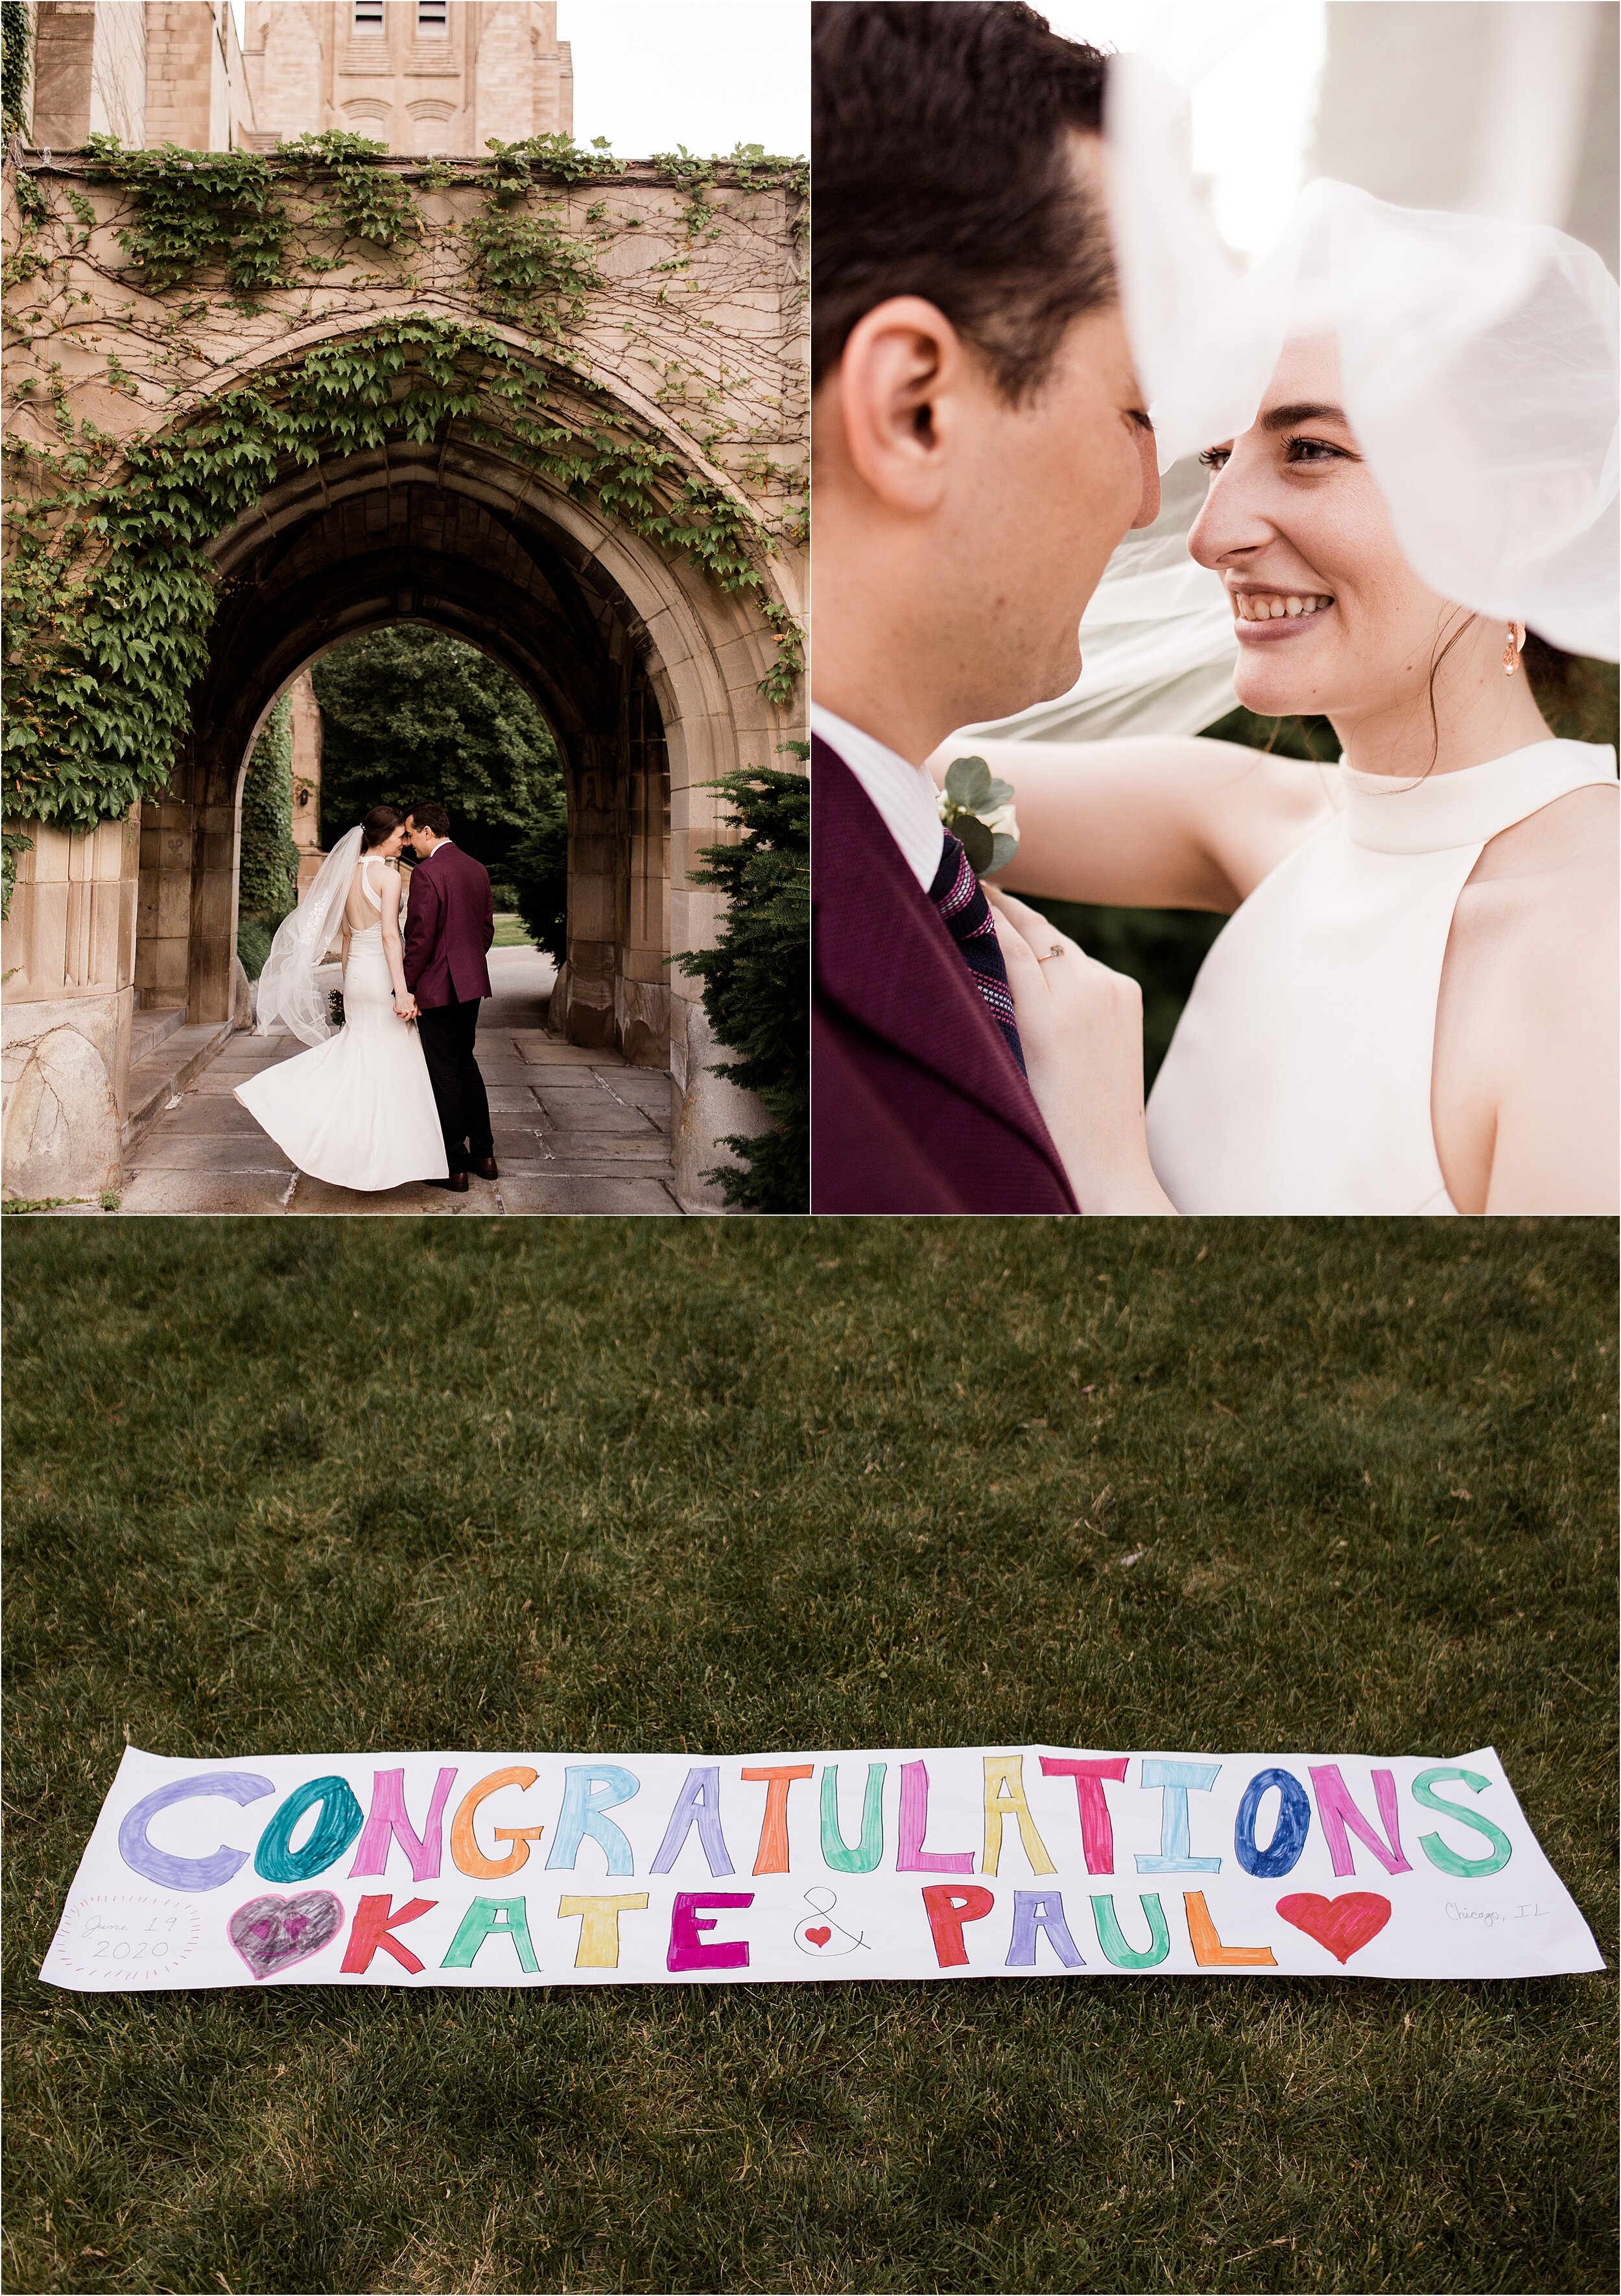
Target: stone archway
[649,671]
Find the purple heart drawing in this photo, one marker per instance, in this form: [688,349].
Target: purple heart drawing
[271,1933]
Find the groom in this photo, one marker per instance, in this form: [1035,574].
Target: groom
[450,922]
[980,448]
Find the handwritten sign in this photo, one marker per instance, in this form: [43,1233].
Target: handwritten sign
[591,1869]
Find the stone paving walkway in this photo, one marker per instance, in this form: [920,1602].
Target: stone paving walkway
[576,1131]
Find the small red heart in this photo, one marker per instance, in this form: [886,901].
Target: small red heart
[818,1937]
[1343,1924]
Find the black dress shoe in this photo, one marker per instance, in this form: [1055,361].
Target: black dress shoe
[486,1168]
[456,1181]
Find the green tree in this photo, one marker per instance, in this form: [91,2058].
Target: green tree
[410,713]
[756,980]
[267,880]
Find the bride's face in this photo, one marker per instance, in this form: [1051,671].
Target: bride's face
[393,844]
[1331,621]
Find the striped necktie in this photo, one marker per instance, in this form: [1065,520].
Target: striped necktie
[960,899]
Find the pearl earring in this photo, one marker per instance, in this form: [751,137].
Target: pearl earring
[1510,652]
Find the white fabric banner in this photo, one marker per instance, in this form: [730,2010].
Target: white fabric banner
[585,1869]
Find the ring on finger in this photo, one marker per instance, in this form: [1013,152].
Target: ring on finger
[1057,949]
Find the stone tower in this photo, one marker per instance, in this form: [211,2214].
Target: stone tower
[420,76]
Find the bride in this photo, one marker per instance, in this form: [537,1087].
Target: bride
[1413,1007]
[357,1110]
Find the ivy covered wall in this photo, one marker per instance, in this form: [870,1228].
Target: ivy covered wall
[267,877]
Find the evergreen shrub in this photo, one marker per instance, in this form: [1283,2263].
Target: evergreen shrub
[268,879]
[756,978]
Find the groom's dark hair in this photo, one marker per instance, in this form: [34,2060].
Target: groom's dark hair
[941,166]
[431,814]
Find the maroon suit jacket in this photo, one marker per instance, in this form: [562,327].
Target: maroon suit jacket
[916,1105]
[450,922]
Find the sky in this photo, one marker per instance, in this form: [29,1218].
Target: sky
[651,74]
[1253,67]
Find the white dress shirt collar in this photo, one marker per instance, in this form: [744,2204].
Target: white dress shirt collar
[904,795]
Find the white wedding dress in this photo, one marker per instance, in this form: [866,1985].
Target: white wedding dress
[357,1110]
[1299,1080]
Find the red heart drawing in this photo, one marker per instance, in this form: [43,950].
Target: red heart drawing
[818,1937]
[1343,1924]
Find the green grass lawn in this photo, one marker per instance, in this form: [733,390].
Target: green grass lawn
[509,932]
[605,1486]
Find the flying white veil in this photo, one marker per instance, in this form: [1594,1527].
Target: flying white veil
[1478,361]
[288,994]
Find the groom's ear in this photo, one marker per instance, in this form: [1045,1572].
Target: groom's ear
[899,391]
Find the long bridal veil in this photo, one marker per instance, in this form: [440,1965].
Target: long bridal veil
[288,993]
[1478,359]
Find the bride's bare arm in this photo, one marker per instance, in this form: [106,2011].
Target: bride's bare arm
[1148,821]
[393,943]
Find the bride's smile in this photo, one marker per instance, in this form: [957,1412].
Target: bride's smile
[1265,613]
[1329,616]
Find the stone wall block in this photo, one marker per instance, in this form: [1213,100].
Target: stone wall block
[63,1136]
[49,861]
[208,989]
[46,925]
[106,937]
[709,1106]
[168,906]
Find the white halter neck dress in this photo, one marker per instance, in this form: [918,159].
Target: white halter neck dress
[1299,1080]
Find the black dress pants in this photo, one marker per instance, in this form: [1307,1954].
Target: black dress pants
[448,1032]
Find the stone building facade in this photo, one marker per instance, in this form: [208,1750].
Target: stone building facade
[421,76]
[148,71]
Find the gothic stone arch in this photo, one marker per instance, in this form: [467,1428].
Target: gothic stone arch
[648,670]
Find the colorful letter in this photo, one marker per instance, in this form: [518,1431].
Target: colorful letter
[598,1946]
[386,1821]
[340,1822]
[697,1804]
[1112,1940]
[772,1857]
[465,1842]
[1175,1779]
[482,1919]
[1209,1952]
[1097,1834]
[161,1866]
[910,1856]
[1336,1811]
[948,1909]
[372,1927]
[1006,1774]
[1283,1853]
[871,1847]
[687,1948]
[1424,1793]
[582,1815]
[1032,1911]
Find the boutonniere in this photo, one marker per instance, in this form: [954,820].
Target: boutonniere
[978,810]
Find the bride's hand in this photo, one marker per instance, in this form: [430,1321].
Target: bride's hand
[405,1006]
[1081,1027]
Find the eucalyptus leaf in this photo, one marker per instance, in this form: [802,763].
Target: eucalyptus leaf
[999,793]
[968,783]
[1002,849]
[977,843]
